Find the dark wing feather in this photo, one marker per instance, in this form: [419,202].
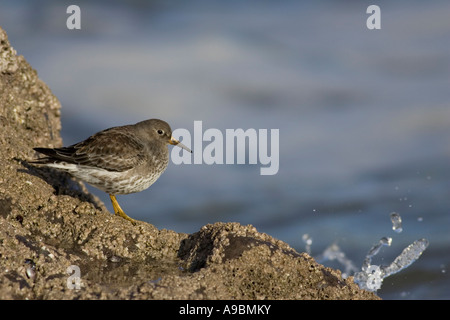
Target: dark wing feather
[111,149]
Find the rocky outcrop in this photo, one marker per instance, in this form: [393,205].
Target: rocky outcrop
[49,223]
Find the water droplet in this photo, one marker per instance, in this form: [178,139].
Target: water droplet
[308,241]
[396,222]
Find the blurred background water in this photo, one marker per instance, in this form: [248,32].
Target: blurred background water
[364,115]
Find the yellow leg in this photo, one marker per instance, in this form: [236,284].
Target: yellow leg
[118,210]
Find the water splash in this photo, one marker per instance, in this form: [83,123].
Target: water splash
[385,241]
[371,276]
[372,279]
[410,254]
[333,252]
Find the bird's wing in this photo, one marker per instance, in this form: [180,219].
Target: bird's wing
[110,149]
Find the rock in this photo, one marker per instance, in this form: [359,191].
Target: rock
[49,223]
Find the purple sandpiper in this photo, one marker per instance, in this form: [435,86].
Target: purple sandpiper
[118,160]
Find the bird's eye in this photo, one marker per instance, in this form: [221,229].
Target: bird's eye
[160,132]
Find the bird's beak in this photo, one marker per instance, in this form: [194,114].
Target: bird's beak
[175,142]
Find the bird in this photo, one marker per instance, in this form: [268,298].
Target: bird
[118,160]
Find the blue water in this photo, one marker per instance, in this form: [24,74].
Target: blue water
[364,115]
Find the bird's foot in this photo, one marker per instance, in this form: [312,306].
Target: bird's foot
[118,210]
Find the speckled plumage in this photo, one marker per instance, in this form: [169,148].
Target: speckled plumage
[118,160]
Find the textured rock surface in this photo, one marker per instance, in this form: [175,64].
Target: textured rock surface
[49,222]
